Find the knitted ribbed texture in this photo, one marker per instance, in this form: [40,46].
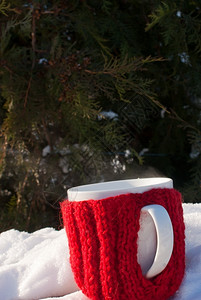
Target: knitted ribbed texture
[102,238]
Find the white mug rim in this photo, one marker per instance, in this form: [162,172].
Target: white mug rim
[98,191]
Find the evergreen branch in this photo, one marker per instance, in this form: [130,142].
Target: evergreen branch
[4,7]
[139,158]
[12,23]
[150,59]
[162,12]
[101,42]
[183,123]
[47,134]
[4,147]
[21,188]
[121,71]
[27,92]
[115,67]
[106,6]
[192,30]
[33,43]
[33,38]
[4,65]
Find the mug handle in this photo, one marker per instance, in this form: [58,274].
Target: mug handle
[165,238]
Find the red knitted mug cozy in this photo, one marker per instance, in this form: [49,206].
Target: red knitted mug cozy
[102,237]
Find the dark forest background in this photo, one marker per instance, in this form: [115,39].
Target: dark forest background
[93,91]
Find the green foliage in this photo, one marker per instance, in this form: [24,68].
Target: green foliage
[63,64]
[161,14]
[4,7]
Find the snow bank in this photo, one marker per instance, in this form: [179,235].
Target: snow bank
[36,266]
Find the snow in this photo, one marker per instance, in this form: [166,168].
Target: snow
[46,151]
[36,265]
[185,58]
[107,115]
[178,14]
[143,151]
[42,61]
[163,111]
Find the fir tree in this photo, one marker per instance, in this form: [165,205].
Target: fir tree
[63,64]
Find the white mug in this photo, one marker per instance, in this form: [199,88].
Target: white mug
[155,237]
